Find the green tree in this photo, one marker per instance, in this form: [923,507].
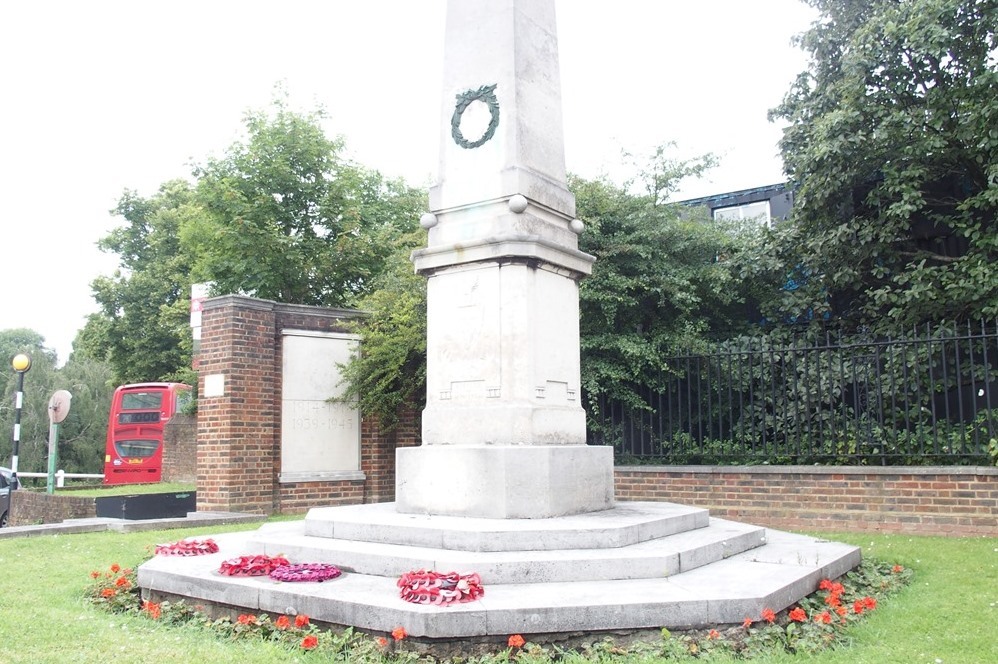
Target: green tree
[281,216]
[82,433]
[39,384]
[892,143]
[289,219]
[142,328]
[389,374]
[663,281]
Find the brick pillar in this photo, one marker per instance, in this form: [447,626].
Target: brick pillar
[238,415]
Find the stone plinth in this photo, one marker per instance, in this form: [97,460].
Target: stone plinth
[641,565]
[504,482]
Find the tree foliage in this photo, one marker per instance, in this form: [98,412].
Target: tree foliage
[389,374]
[142,328]
[893,149]
[82,433]
[663,278]
[282,215]
[288,219]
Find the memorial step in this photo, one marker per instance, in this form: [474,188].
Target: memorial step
[774,576]
[658,558]
[625,524]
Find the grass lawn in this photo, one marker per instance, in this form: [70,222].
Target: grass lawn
[949,614]
[129,490]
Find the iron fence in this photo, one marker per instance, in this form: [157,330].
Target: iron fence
[925,397]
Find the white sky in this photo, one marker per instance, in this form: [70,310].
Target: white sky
[104,95]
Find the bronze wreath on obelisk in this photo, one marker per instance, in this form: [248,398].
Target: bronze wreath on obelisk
[485,94]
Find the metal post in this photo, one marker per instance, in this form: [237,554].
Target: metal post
[21,364]
[53,456]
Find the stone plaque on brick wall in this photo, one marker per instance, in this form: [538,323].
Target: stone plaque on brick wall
[320,440]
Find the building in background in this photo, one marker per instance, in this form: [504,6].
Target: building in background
[768,204]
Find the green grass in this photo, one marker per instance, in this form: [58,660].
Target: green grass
[949,613]
[128,490]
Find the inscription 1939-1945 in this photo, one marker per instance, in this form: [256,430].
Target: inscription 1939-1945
[318,416]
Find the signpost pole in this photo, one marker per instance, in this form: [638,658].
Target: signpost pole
[21,364]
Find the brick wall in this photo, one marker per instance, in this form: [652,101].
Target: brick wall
[28,508]
[239,433]
[916,500]
[180,449]
[378,453]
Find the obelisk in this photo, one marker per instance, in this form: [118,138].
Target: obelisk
[504,432]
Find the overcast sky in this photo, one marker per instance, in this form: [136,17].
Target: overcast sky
[101,96]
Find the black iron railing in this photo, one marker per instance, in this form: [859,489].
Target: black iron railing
[926,397]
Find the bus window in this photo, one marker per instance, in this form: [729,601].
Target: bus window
[184,399]
[141,400]
[136,448]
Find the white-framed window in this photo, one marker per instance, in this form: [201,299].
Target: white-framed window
[758,210]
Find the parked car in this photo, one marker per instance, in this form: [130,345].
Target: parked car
[5,482]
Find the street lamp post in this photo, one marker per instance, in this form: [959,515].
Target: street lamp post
[21,364]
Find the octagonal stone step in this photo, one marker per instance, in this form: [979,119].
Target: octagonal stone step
[624,524]
[657,558]
[775,575]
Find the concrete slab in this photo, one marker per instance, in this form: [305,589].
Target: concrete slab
[622,525]
[655,558]
[693,579]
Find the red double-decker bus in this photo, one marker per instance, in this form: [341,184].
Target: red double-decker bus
[139,411]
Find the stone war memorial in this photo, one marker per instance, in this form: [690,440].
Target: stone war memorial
[504,485]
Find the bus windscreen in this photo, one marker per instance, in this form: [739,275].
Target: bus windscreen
[141,400]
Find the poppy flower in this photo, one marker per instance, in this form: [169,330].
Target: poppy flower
[399,633]
[301,620]
[152,609]
[309,642]
[516,641]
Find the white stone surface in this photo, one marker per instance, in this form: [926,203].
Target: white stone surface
[503,264]
[623,525]
[503,481]
[319,438]
[519,600]
[503,358]
[659,557]
[513,45]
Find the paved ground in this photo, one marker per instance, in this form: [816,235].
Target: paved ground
[97,524]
